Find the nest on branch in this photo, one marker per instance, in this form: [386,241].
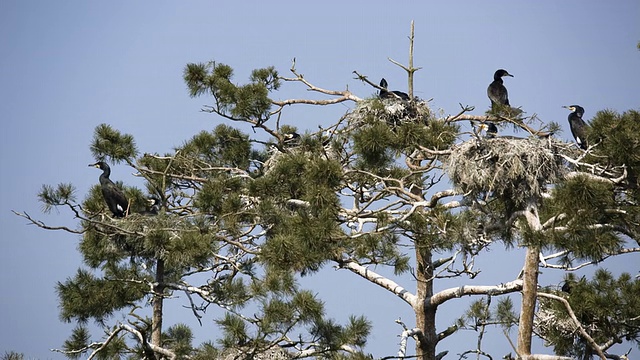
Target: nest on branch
[515,169]
[392,111]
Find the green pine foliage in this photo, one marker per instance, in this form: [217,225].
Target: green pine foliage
[241,218]
[248,101]
[179,338]
[51,197]
[589,204]
[12,355]
[108,142]
[79,339]
[88,297]
[607,308]
[618,142]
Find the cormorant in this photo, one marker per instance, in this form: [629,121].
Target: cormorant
[291,138]
[386,94]
[491,130]
[153,206]
[578,126]
[497,92]
[113,196]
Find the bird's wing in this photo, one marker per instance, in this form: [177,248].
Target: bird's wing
[579,131]
[116,193]
[498,94]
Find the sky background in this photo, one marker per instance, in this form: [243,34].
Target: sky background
[68,66]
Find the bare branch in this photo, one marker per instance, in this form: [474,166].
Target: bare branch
[585,264]
[344,95]
[402,352]
[105,343]
[543,357]
[380,280]
[448,294]
[44,226]
[518,123]
[145,343]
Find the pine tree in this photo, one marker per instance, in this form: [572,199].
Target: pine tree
[243,215]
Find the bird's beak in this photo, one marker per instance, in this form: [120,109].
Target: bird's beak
[509,75]
[93,165]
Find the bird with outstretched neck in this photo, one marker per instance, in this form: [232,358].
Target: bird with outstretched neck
[113,196]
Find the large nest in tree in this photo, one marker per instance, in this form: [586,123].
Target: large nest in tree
[547,322]
[515,169]
[392,111]
[274,353]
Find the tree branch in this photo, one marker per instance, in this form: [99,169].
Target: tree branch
[43,225]
[145,343]
[448,294]
[380,280]
[344,95]
[485,118]
[585,264]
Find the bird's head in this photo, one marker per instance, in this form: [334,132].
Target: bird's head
[291,136]
[575,108]
[100,165]
[501,73]
[383,83]
[489,128]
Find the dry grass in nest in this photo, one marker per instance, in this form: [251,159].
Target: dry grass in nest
[516,168]
[391,111]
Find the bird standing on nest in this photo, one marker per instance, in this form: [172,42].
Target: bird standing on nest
[113,196]
[498,95]
[497,92]
[490,129]
[291,138]
[578,126]
[153,206]
[395,94]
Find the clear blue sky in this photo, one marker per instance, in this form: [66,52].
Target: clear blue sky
[67,66]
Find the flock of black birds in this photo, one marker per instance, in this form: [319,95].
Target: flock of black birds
[119,205]
[499,97]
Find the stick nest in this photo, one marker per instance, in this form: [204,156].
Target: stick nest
[516,169]
[392,111]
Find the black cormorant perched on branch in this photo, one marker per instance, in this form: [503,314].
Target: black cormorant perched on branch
[497,92]
[386,94]
[113,196]
[578,126]
[499,97]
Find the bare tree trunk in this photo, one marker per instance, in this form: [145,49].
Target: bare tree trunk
[425,315]
[529,291]
[156,319]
